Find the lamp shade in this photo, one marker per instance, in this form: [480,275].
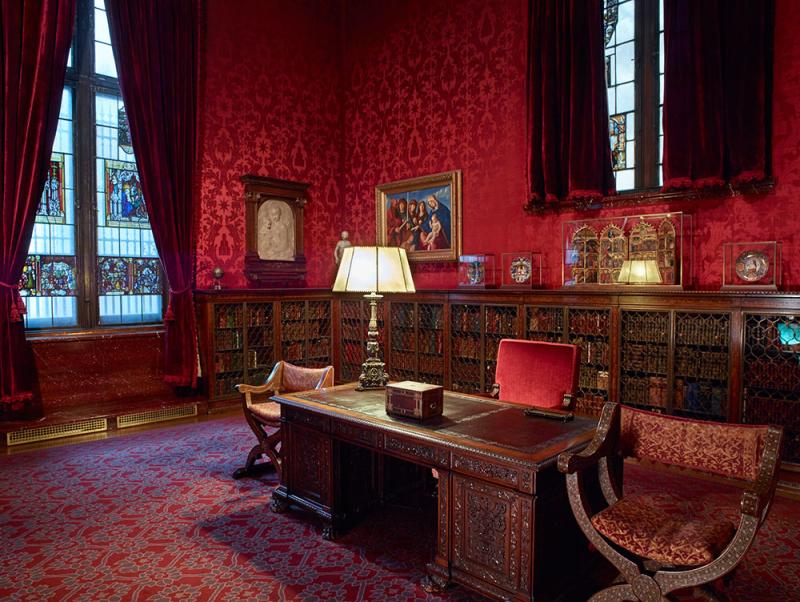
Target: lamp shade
[639,271]
[374,270]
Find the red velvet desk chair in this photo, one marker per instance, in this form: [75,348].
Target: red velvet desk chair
[658,542]
[536,373]
[284,378]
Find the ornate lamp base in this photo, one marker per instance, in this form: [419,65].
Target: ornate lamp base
[373,370]
[373,375]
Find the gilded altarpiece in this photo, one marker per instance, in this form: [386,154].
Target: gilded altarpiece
[594,249]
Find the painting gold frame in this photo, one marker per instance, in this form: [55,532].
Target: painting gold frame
[398,227]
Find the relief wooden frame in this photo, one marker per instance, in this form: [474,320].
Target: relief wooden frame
[398,229]
[269,273]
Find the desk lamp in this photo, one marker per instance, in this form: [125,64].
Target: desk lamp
[639,271]
[373,270]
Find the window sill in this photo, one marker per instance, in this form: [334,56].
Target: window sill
[107,332]
[654,196]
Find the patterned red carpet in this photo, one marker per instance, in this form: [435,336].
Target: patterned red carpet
[155,516]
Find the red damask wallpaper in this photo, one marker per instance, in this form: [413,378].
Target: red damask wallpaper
[271,106]
[348,95]
[434,85]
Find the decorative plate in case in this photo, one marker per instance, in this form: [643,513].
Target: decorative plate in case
[751,265]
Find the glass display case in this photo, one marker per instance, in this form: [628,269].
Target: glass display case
[477,271]
[751,265]
[594,249]
[522,269]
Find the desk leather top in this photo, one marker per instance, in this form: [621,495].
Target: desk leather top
[467,419]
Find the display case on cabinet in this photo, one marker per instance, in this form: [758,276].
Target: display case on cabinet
[594,249]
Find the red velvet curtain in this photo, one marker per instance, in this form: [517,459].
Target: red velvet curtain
[155,45]
[716,74]
[568,146]
[34,46]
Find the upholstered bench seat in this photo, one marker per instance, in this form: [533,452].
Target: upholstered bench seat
[661,527]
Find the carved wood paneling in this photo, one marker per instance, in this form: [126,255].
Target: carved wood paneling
[486,470]
[487,532]
[310,468]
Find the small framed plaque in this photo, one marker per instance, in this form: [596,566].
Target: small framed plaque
[521,270]
[751,265]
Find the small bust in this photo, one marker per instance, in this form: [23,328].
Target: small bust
[341,246]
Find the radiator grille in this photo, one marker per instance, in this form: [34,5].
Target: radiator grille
[162,415]
[56,431]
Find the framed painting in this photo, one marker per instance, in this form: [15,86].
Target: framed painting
[421,215]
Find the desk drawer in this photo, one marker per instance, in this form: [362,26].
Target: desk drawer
[417,452]
[357,434]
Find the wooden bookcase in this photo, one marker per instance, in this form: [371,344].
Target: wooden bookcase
[243,333]
[696,354]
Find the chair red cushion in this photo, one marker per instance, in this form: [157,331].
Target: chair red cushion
[663,527]
[268,411]
[536,373]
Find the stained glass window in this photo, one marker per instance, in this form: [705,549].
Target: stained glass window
[92,236]
[49,277]
[620,40]
[128,271]
[103,53]
[631,36]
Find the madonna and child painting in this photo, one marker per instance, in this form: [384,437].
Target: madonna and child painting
[422,215]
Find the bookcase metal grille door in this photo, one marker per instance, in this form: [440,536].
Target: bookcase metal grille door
[590,329]
[544,323]
[771,379]
[318,334]
[293,332]
[500,323]
[465,348]
[228,348]
[644,359]
[403,356]
[701,368]
[430,339]
[260,352]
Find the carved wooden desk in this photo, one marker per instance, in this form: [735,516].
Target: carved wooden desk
[504,526]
